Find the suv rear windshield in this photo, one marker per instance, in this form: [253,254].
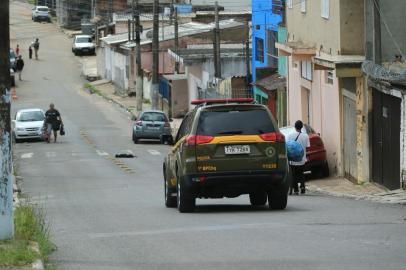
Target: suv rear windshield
[234,122]
[43,9]
[153,116]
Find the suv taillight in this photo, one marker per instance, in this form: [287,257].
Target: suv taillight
[138,123]
[167,124]
[273,137]
[198,139]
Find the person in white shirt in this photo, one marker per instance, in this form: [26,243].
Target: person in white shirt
[297,167]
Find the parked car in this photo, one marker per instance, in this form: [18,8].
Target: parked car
[28,124]
[12,77]
[152,125]
[13,59]
[226,148]
[83,44]
[316,153]
[41,13]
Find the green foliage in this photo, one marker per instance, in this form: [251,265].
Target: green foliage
[30,227]
[16,253]
[92,89]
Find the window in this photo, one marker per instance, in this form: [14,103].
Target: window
[259,43]
[154,116]
[325,9]
[329,77]
[272,53]
[303,6]
[306,69]
[290,3]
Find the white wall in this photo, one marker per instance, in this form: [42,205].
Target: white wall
[324,110]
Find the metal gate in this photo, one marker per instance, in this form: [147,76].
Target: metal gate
[386,140]
[350,138]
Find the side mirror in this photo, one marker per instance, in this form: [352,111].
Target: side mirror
[170,120]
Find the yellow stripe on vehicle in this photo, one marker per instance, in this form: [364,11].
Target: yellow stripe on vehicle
[236,139]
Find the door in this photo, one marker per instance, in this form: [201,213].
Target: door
[306,105]
[350,138]
[386,140]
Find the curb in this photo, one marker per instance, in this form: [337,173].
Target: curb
[37,264]
[111,100]
[378,197]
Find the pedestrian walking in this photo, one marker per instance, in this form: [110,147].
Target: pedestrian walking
[19,66]
[18,50]
[30,52]
[298,166]
[53,122]
[36,48]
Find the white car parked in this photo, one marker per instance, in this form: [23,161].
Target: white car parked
[41,13]
[28,124]
[83,44]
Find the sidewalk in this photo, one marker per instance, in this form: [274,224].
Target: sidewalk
[341,187]
[107,90]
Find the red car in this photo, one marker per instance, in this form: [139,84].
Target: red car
[316,153]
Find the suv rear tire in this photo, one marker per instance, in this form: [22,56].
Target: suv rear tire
[258,198]
[186,203]
[278,198]
[170,201]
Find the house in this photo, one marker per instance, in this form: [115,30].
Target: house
[266,16]
[146,20]
[325,49]
[382,106]
[114,56]
[199,69]
[71,12]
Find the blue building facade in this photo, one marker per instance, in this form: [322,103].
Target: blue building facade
[266,17]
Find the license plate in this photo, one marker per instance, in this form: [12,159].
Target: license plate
[237,149]
[153,128]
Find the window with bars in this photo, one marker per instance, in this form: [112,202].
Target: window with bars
[306,69]
[303,6]
[329,77]
[325,9]
[259,54]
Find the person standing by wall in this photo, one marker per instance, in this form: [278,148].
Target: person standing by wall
[18,50]
[19,66]
[298,166]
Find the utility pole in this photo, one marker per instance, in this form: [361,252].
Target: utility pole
[139,84]
[6,162]
[247,52]
[131,77]
[155,57]
[176,41]
[377,33]
[217,59]
[172,8]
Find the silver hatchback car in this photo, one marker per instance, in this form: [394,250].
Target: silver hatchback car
[152,125]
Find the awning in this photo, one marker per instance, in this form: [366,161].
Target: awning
[271,83]
[295,48]
[345,65]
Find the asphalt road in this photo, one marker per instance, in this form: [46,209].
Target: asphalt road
[108,215]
